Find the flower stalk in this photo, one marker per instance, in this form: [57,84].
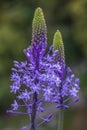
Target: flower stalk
[60,118]
[61,111]
[33,114]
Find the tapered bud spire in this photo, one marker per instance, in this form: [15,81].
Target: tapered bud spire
[39,30]
[58,45]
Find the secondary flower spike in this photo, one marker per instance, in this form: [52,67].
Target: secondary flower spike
[38,79]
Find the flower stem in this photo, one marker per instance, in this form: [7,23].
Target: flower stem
[60,119]
[61,111]
[33,115]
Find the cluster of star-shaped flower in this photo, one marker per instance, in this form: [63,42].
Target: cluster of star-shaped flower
[43,77]
[45,81]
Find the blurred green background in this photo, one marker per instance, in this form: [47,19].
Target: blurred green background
[70,17]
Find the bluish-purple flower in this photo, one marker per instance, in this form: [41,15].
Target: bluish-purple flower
[43,76]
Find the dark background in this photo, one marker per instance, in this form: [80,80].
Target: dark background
[70,17]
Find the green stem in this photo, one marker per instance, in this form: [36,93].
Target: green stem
[60,119]
[33,115]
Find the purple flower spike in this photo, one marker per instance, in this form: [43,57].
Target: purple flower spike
[43,77]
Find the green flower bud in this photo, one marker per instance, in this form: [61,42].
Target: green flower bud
[39,30]
[58,45]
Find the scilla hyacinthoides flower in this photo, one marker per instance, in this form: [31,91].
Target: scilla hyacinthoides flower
[43,76]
